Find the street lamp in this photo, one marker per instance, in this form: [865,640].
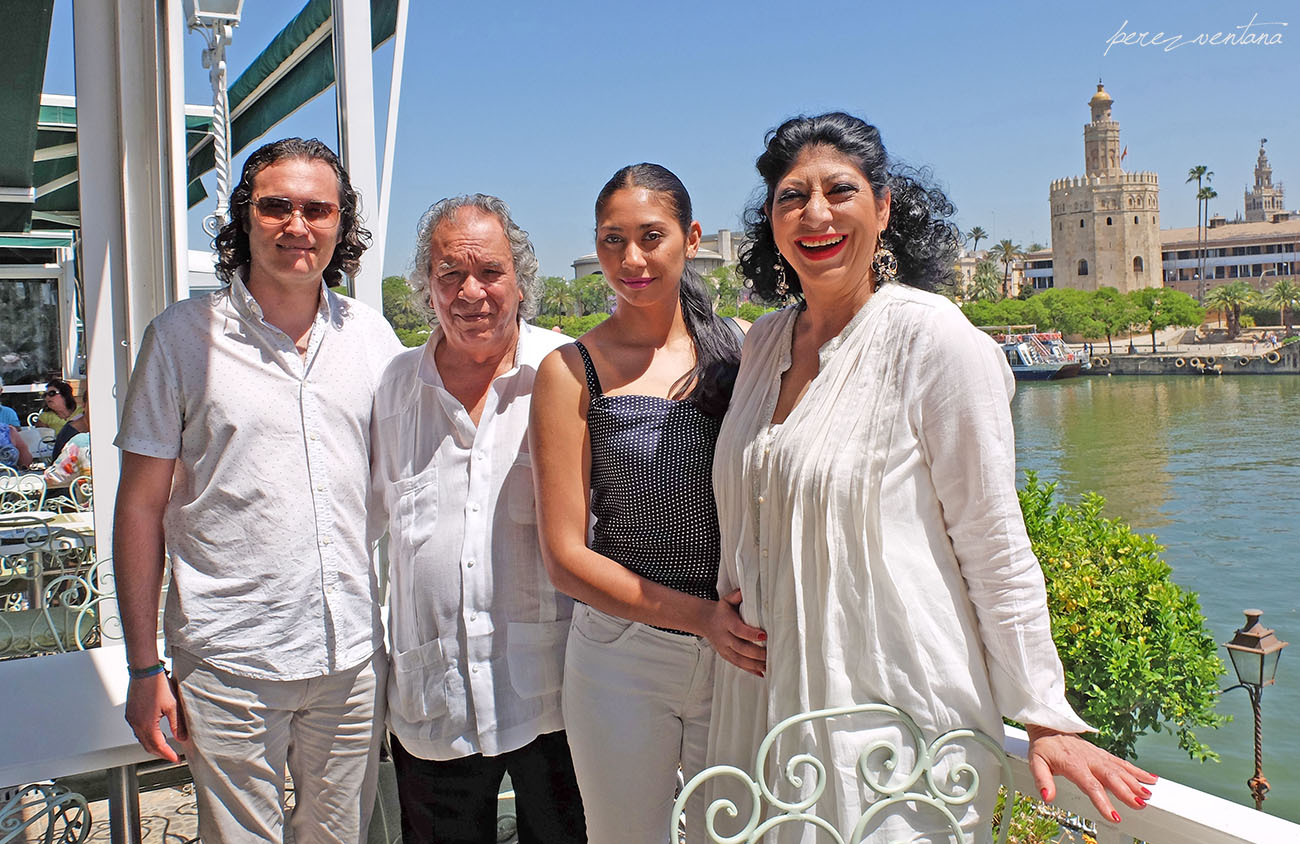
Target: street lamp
[1255,651]
[216,20]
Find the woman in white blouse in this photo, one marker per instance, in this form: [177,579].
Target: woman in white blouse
[864,477]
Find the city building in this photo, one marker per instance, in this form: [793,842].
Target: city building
[716,250]
[1258,252]
[1106,223]
[1265,200]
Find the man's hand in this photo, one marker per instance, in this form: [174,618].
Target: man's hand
[148,701]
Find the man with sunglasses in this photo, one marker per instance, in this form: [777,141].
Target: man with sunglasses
[246,460]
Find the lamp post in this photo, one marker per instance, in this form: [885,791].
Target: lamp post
[1255,651]
[216,20]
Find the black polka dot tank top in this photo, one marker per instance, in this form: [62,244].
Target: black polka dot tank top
[652,488]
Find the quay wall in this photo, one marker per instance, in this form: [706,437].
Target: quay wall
[1283,361]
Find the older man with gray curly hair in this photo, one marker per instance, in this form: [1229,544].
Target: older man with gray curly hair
[477,630]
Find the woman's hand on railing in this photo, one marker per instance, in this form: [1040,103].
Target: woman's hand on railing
[735,641]
[1093,770]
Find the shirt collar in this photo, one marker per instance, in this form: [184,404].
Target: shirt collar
[329,309]
[428,371]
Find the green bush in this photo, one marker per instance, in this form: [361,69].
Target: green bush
[1136,652]
[412,336]
[750,311]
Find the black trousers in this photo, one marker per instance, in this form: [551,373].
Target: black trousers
[455,802]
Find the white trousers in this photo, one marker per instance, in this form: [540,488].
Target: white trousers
[636,707]
[244,733]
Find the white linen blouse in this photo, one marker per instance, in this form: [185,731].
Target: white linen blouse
[876,536]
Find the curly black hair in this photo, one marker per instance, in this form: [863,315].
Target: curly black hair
[231,243]
[920,235]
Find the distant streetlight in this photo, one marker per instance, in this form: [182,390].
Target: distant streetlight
[216,20]
[1255,651]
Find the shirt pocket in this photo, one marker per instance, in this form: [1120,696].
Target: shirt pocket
[418,683]
[519,491]
[535,656]
[417,508]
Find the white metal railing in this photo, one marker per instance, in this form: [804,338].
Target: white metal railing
[1175,813]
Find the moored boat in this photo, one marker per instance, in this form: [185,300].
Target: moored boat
[1035,355]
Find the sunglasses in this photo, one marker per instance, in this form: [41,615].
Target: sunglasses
[51,393]
[316,213]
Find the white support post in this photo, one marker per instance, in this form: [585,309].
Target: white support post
[355,91]
[126,133]
[380,249]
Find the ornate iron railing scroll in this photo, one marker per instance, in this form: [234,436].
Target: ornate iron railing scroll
[47,813]
[919,788]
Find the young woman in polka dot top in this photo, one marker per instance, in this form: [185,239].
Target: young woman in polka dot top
[623,428]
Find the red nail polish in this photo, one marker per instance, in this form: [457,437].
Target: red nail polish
[1141,803]
[1114,816]
[1146,792]
[1044,793]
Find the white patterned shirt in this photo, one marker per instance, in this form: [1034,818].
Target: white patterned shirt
[266,524]
[477,630]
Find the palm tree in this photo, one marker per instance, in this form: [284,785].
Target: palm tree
[976,235]
[1231,298]
[1200,173]
[984,286]
[1285,296]
[1007,253]
[1205,194]
[558,296]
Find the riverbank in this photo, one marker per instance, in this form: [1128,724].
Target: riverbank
[1184,352]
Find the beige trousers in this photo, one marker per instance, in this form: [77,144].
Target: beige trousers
[245,733]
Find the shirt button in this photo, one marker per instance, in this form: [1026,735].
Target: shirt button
[473,616]
[320,487]
[325,541]
[761,499]
[313,436]
[473,669]
[478,455]
[474,507]
[469,564]
[764,552]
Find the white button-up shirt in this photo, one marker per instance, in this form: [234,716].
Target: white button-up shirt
[477,630]
[266,525]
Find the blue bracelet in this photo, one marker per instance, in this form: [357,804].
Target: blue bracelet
[142,673]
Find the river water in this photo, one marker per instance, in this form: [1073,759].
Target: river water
[1211,467]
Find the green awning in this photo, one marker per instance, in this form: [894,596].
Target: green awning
[23,48]
[36,240]
[294,68]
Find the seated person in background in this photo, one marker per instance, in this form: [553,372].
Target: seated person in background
[60,405]
[13,451]
[7,414]
[73,462]
[78,424]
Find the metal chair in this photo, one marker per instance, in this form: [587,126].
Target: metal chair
[44,812]
[917,786]
[21,493]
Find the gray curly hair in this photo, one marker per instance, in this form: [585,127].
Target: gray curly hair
[521,250]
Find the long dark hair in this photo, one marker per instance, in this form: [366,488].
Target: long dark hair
[231,242]
[717,354]
[919,234]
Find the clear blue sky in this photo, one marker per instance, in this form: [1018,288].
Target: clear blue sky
[539,103]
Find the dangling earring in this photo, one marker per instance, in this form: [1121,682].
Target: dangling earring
[782,289]
[884,266]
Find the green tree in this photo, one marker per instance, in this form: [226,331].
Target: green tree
[984,285]
[1113,312]
[1285,296]
[975,235]
[1161,307]
[592,294]
[1136,652]
[559,296]
[726,285]
[411,326]
[1007,252]
[1230,298]
[1205,194]
[1034,247]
